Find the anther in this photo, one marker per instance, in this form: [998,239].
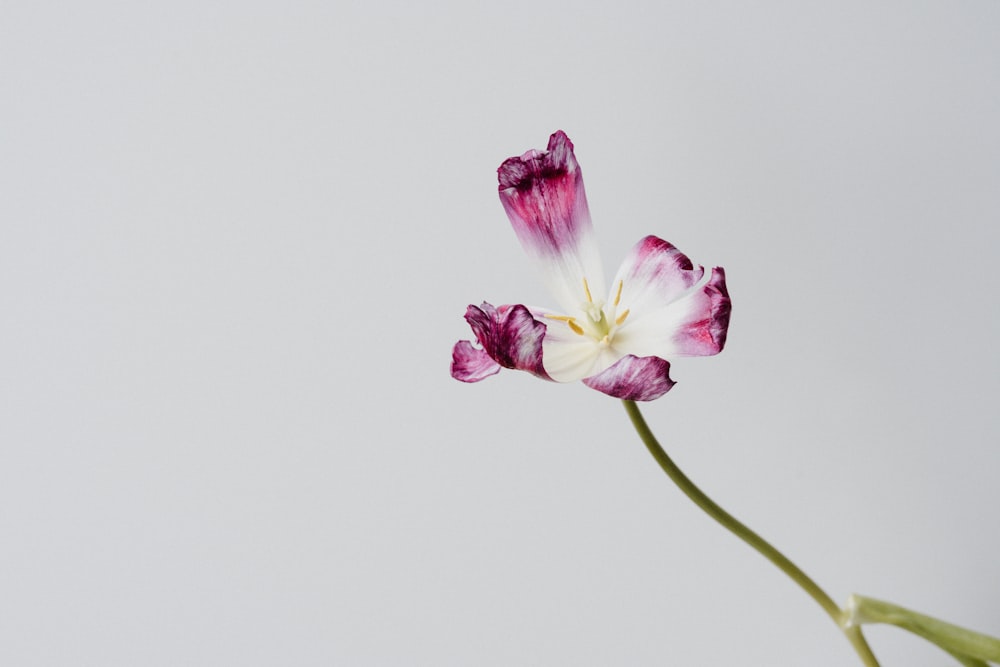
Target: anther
[621,318]
[618,296]
[577,329]
[586,288]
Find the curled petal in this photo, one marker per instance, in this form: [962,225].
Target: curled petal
[470,364]
[509,335]
[674,310]
[542,192]
[703,332]
[655,273]
[634,378]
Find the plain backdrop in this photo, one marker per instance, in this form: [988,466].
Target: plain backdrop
[236,243]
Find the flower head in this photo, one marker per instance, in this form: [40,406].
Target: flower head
[658,306]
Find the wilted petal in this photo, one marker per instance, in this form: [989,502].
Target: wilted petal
[673,310]
[654,274]
[634,379]
[703,332]
[542,192]
[470,364]
[509,335]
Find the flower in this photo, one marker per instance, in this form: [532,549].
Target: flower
[659,305]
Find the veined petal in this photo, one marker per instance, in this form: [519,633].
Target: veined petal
[509,335]
[634,379]
[470,364]
[673,310]
[703,332]
[542,192]
[653,274]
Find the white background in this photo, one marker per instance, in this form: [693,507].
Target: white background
[236,243]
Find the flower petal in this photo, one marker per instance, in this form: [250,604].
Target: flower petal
[703,332]
[569,356]
[542,192]
[634,379]
[655,273]
[673,309]
[470,364]
[509,335]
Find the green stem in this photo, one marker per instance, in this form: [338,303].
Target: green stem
[963,644]
[753,539]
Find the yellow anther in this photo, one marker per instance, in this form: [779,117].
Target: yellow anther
[561,318]
[586,288]
[621,318]
[577,329]
[618,296]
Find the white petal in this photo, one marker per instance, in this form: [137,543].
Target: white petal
[567,356]
[651,333]
[564,275]
[674,308]
[653,275]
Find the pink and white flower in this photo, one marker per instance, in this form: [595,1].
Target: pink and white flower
[658,306]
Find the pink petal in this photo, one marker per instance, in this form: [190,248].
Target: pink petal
[470,364]
[673,310]
[634,378]
[703,332]
[510,336]
[655,273]
[542,192]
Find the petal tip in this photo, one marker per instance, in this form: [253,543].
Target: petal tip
[706,333]
[543,195]
[634,378]
[721,308]
[469,364]
[521,172]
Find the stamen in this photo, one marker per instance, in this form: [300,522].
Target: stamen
[586,288]
[621,318]
[561,318]
[618,296]
[577,329]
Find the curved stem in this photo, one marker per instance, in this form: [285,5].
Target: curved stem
[734,526]
[952,638]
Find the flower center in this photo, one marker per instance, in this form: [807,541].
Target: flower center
[598,321]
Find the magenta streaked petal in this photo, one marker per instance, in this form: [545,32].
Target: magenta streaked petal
[542,192]
[634,378]
[470,364]
[703,332]
[674,308]
[509,335]
[654,274]
[543,195]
